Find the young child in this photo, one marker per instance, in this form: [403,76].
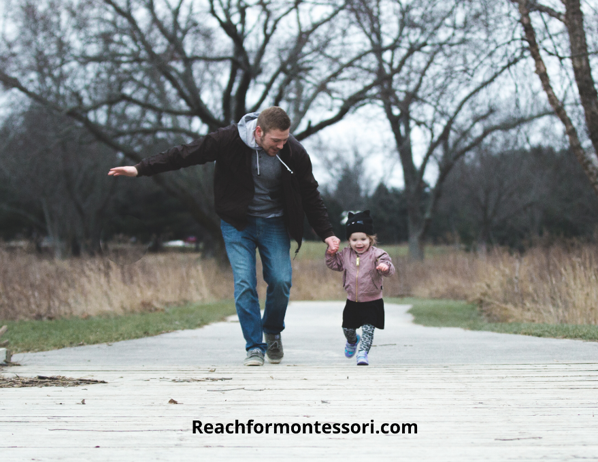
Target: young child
[363,266]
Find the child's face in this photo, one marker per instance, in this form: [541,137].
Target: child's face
[359,242]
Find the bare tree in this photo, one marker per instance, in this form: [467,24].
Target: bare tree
[439,65]
[493,187]
[578,58]
[350,180]
[146,74]
[41,164]
[502,196]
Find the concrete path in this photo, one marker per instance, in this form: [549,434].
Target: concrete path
[314,337]
[472,396]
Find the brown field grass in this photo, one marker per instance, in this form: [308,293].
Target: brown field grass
[553,285]
[557,284]
[35,288]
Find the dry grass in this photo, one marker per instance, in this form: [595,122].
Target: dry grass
[557,284]
[553,285]
[34,288]
[42,288]
[449,276]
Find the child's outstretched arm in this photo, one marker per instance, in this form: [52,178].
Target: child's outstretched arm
[384,265]
[334,260]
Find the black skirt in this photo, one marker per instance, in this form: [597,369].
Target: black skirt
[356,314]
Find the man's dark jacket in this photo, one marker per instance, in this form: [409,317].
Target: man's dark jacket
[233,180]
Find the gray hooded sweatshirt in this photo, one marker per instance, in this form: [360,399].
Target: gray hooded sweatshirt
[267,201]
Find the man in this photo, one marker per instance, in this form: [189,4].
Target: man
[263,187]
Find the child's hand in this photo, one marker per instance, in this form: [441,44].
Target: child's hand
[330,251]
[383,267]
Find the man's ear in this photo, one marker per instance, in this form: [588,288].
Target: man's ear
[258,131]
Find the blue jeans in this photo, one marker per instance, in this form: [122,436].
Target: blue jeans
[271,237]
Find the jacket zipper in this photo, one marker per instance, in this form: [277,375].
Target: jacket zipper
[357,280]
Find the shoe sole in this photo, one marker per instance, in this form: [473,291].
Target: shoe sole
[253,363]
[273,360]
[276,358]
[363,364]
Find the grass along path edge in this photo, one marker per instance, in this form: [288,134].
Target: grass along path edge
[30,336]
[455,313]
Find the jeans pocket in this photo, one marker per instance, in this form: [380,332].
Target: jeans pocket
[229,232]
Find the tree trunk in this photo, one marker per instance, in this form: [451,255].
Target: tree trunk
[588,163]
[58,245]
[416,248]
[581,68]
[416,225]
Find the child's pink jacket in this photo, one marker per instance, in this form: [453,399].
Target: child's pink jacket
[361,280]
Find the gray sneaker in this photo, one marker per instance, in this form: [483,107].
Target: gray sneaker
[274,351]
[254,357]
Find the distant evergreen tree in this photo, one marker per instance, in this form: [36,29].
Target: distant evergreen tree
[389,211]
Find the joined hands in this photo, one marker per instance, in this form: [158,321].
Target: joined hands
[333,244]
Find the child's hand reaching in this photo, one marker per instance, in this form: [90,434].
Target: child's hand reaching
[383,268]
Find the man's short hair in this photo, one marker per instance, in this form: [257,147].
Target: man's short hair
[273,118]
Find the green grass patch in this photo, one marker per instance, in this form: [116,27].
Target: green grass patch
[453,313]
[60,333]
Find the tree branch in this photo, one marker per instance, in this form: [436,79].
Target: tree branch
[535,6]
[586,161]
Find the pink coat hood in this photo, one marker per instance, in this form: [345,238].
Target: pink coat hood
[361,280]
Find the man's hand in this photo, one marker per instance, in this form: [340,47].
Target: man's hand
[383,267]
[123,171]
[333,244]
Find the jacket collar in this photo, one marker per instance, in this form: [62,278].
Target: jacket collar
[367,252]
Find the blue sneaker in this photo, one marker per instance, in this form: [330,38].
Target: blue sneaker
[351,348]
[362,358]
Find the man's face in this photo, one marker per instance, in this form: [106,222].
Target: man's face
[271,142]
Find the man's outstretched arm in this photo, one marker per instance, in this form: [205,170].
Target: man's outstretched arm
[199,151]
